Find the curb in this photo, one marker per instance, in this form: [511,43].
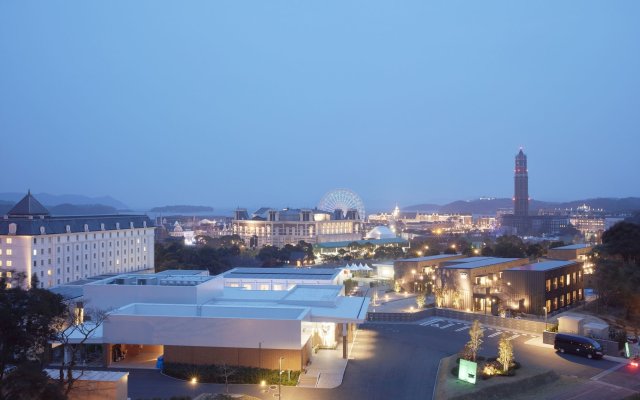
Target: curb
[435,385]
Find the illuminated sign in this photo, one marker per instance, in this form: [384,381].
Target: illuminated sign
[467,371]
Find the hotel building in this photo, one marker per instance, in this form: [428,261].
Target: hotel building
[62,249]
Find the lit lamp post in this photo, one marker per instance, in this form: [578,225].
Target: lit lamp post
[280,377]
[545,317]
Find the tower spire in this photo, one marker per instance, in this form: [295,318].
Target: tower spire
[521,186]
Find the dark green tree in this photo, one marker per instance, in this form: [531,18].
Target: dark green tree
[617,274]
[27,323]
[509,246]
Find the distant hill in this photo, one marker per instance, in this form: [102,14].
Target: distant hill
[491,206]
[82,209]
[182,209]
[67,209]
[54,199]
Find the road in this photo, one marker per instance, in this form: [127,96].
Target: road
[400,361]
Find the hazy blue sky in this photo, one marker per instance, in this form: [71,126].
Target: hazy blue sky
[229,103]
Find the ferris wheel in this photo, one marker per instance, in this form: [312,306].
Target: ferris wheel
[343,199]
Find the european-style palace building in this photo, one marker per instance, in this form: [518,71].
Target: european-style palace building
[274,227]
[61,249]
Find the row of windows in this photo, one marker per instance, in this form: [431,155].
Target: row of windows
[95,246]
[9,240]
[563,300]
[35,262]
[568,279]
[86,236]
[42,252]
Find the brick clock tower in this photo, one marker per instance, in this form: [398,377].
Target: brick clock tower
[521,187]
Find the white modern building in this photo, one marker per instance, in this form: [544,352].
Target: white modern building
[62,249]
[192,318]
[283,278]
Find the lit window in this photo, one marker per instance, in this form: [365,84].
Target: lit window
[9,240]
[9,252]
[35,252]
[9,263]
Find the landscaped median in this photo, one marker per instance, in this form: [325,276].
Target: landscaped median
[229,374]
[449,386]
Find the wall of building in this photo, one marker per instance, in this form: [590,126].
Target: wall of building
[61,258]
[248,357]
[204,332]
[531,286]
[528,286]
[16,257]
[112,296]
[279,233]
[99,390]
[463,280]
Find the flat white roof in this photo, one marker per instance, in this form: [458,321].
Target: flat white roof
[283,273]
[246,311]
[77,334]
[303,293]
[159,279]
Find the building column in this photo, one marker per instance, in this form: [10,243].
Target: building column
[106,354]
[345,341]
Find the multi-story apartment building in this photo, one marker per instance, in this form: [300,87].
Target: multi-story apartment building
[61,249]
[547,285]
[275,227]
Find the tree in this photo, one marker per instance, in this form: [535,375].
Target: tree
[534,251]
[421,300]
[509,246]
[73,329]
[27,382]
[622,240]
[27,324]
[505,352]
[487,251]
[476,334]
[225,371]
[349,284]
[617,274]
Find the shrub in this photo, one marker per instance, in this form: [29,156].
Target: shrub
[211,374]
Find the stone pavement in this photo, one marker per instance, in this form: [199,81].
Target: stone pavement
[326,369]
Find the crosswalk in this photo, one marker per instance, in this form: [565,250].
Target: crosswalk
[463,327]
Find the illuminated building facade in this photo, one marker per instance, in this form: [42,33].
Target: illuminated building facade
[273,227]
[61,249]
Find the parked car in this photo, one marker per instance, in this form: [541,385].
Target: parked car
[580,345]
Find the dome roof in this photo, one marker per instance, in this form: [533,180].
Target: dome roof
[380,232]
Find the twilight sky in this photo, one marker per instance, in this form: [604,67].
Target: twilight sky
[250,103]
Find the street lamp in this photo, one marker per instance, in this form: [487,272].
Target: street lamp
[545,317]
[280,377]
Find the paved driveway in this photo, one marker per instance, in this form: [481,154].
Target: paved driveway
[400,361]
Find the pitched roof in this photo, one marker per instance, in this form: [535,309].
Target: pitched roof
[28,206]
